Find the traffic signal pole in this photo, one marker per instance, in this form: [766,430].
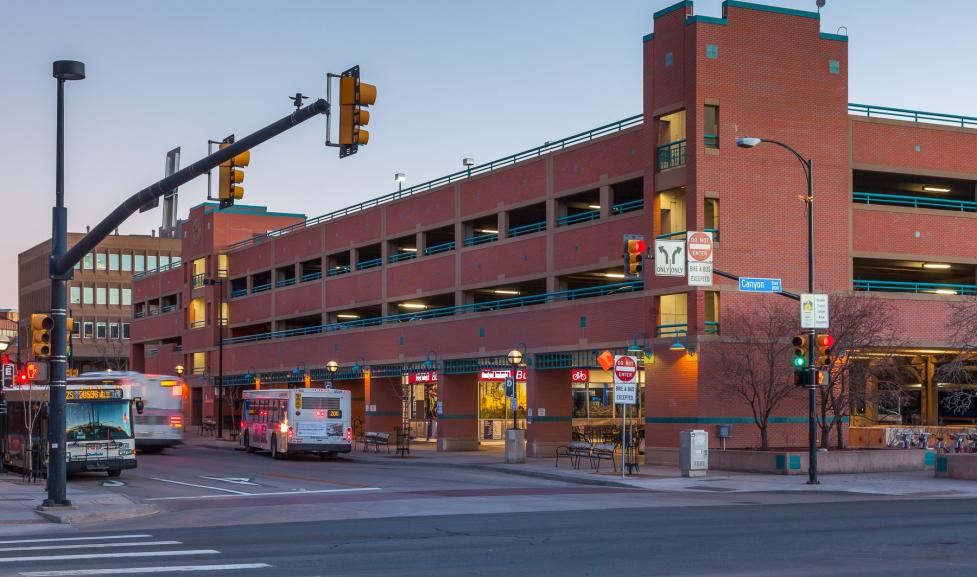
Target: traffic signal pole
[63,259]
[812,469]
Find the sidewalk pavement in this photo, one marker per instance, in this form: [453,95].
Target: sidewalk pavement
[663,478]
[20,504]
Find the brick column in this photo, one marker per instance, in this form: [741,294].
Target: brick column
[357,402]
[383,405]
[550,391]
[458,419]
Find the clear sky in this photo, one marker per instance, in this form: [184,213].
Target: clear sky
[480,79]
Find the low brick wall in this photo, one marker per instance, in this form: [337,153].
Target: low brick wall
[956,466]
[795,462]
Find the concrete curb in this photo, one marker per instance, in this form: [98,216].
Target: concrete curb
[74,516]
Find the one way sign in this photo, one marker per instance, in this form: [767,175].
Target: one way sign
[669,258]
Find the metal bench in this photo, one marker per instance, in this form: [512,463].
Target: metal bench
[601,452]
[376,440]
[574,451]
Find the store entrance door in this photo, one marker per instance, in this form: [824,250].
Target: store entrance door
[495,409]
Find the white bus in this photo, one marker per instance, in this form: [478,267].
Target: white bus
[98,423]
[284,421]
[160,425]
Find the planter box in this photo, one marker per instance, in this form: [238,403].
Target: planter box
[795,462]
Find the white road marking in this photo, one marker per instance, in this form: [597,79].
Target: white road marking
[113,483]
[201,486]
[111,555]
[272,494]
[135,570]
[235,480]
[74,539]
[90,546]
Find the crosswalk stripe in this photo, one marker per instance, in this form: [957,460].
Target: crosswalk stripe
[111,555]
[136,570]
[74,539]
[90,546]
[269,494]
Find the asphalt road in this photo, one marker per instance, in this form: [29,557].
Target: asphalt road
[891,538]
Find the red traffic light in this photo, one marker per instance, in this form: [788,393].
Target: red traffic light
[826,341]
[637,246]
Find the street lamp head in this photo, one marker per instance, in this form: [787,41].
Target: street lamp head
[748,141]
[69,70]
[514,357]
[400,177]
[468,162]
[179,370]
[332,366]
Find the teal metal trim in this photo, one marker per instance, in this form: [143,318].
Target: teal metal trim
[914,201]
[913,287]
[780,462]
[458,417]
[795,462]
[870,110]
[673,8]
[549,419]
[706,20]
[941,465]
[254,212]
[727,420]
[766,8]
[648,37]
[829,36]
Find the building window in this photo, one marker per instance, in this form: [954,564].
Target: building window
[74,295]
[712,51]
[101,261]
[88,263]
[114,295]
[114,261]
[673,317]
[76,329]
[712,312]
[100,330]
[199,363]
[710,126]
[140,262]
[834,67]
[197,313]
[89,330]
[125,330]
[224,310]
[88,295]
[126,263]
[712,216]
[126,296]
[164,260]
[151,262]
[222,265]
[114,330]
[100,295]
[669,59]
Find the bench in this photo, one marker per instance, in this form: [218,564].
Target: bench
[574,451]
[208,427]
[603,451]
[376,440]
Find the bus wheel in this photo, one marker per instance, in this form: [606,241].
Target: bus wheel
[247,442]
[114,472]
[274,449]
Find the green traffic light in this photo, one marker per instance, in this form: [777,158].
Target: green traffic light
[799,362]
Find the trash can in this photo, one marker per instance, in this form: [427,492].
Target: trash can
[693,453]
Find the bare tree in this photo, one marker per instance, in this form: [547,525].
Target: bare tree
[113,353]
[860,325]
[959,370]
[755,358]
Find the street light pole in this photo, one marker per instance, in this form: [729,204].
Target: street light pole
[57,490]
[808,165]
[331,368]
[219,282]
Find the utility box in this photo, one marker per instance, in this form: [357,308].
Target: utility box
[693,453]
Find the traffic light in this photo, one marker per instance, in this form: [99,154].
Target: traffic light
[353,96]
[824,343]
[800,352]
[67,337]
[634,250]
[308,380]
[41,326]
[231,175]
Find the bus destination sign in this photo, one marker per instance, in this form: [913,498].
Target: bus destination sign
[93,394]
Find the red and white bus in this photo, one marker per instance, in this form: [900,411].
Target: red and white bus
[285,421]
[160,424]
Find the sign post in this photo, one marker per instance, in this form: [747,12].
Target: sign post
[625,393]
[700,251]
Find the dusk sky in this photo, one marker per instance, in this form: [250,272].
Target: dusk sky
[455,79]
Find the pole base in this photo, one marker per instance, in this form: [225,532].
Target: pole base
[49,504]
[814,482]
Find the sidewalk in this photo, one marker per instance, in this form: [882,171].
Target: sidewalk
[20,502]
[662,478]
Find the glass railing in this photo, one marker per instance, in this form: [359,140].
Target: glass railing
[914,201]
[578,217]
[481,239]
[671,155]
[595,291]
[914,287]
[370,263]
[443,247]
[527,228]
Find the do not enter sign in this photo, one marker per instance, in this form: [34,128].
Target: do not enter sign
[700,246]
[625,379]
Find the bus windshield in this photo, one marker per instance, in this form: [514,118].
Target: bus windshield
[99,420]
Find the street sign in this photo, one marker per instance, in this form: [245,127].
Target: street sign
[760,285]
[510,387]
[814,311]
[625,379]
[700,252]
[669,258]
